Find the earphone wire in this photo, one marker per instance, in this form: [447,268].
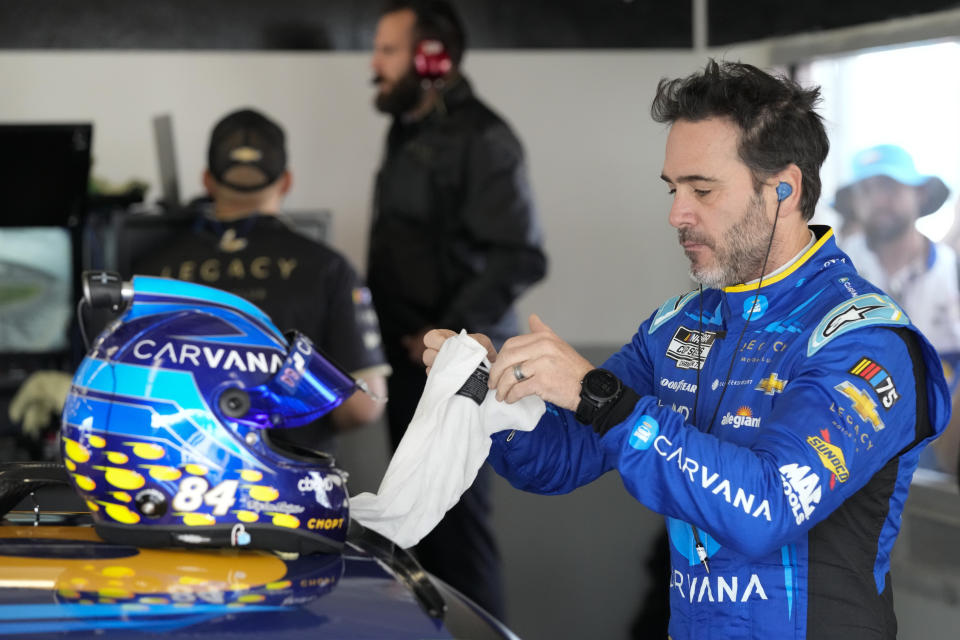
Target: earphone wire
[700,547]
[743,331]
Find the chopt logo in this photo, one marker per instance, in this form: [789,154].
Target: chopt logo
[802,488]
[690,348]
[742,418]
[187,353]
[831,456]
[879,380]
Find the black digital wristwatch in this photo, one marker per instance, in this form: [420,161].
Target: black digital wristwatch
[598,389]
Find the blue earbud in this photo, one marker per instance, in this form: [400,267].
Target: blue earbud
[783,191]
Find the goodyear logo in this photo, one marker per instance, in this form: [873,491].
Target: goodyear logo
[831,456]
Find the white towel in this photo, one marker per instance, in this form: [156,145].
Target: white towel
[444,446]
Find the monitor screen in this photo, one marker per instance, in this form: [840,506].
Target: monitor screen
[44,170]
[36,289]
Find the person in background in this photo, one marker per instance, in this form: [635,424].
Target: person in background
[886,197]
[245,246]
[453,242]
[775,415]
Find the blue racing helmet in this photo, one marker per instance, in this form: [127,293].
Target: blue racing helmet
[171,430]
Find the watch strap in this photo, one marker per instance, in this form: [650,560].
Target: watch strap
[616,412]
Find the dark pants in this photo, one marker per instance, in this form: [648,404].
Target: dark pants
[653,618]
[461,550]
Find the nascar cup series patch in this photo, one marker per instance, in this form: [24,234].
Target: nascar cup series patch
[690,348]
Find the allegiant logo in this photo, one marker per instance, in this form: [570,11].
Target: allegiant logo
[245,360]
[742,418]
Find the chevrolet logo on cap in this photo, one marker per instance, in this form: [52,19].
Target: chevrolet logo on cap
[245,154]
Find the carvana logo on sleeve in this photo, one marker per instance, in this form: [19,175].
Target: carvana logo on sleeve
[643,434]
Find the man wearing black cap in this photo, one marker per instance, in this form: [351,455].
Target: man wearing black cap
[243,246]
[884,199]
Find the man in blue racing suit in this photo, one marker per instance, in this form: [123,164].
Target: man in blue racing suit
[774,415]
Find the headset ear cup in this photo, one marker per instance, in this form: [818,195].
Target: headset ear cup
[431,60]
[783,191]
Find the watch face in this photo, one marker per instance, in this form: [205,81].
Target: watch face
[601,383]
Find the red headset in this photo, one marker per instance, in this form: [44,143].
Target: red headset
[431,60]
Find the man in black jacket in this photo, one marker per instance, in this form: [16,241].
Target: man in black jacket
[454,242]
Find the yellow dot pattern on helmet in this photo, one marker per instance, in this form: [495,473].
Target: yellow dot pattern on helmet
[238,586]
[93,506]
[85,483]
[247,516]
[147,450]
[96,442]
[263,493]
[198,519]
[122,496]
[196,469]
[69,593]
[285,520]
[117,457]
[114,592]
[117,571]
[252,597]
[160,472]
[79,583]
[120,513]
[276,586]
[123,478]
[69,464]
[251,475]
[75,451]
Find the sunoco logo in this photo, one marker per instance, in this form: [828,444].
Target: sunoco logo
[678,385]
[742,418]
[831,456]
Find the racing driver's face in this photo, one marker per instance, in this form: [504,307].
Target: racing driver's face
[722,221]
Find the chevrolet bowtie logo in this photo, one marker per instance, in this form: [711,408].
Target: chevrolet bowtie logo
[863,404]
[771,385]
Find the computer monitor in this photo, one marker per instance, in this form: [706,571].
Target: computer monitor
[44,171]
[36,289]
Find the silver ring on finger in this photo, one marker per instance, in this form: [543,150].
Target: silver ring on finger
[518,372]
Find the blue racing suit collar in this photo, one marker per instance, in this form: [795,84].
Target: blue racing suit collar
[773,293]
[824,241]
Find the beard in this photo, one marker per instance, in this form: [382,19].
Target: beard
[884,231]
[403,97]
[739,255]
